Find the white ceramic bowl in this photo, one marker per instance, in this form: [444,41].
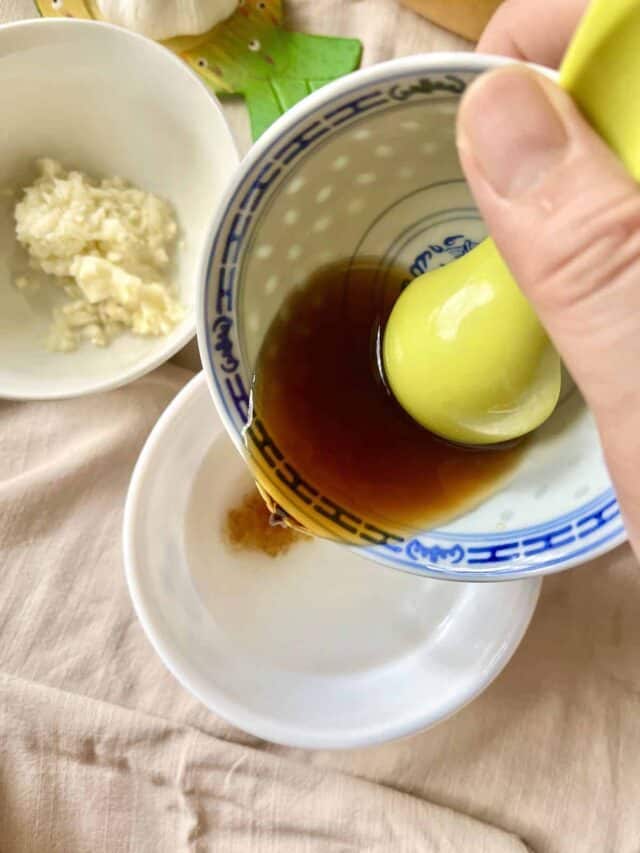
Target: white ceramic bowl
[313,649]
[107,102]
[368,166]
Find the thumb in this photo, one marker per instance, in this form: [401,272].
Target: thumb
[566,217]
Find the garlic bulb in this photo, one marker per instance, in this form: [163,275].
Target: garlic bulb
[163,19]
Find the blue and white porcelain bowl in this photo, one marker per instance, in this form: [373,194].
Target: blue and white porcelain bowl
[368,166]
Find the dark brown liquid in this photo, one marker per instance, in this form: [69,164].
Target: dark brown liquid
[319,394]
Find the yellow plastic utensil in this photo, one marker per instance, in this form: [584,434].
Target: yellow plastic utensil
[463,351]
[600,70]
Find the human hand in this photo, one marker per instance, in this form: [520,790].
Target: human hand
[565,215]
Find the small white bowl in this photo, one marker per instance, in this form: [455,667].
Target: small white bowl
[107,102]
[312,649]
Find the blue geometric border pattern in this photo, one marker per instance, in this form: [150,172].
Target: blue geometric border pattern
[451,565]
[438,553]
[559,544]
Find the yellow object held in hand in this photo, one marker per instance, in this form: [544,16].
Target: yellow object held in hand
[445,348]
[463,351]
[601,71]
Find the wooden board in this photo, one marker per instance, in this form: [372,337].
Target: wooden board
[466,18]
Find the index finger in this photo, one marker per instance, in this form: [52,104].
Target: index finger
[531,30]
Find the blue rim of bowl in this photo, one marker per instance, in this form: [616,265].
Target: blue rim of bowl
[560,543]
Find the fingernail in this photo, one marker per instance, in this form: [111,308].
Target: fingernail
[510,126]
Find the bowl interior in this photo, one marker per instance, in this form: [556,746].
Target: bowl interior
[106,102]
[368,167]
[309,649]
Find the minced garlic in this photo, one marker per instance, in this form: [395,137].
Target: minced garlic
[108,245]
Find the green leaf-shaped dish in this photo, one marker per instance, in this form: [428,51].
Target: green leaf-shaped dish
[250,54]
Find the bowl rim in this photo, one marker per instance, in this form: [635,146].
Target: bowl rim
[415,64]
[214,698]
[147,363]
[405,64]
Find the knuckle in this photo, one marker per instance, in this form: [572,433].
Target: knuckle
[588,254]
[502,33]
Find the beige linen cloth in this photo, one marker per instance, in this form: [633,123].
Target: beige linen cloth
[101,751]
